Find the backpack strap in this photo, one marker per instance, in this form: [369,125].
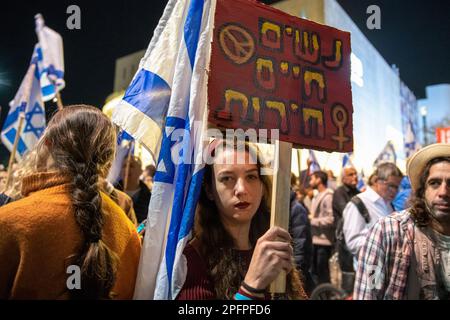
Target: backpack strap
[361,208]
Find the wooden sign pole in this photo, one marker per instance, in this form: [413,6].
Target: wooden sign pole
[280,208]
[127,167]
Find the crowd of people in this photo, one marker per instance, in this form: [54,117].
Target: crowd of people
[59,210]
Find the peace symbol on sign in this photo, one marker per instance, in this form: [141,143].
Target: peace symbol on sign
[237,43]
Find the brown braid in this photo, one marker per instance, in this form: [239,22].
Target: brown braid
[81,142]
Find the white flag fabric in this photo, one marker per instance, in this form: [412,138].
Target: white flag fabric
[165,108]
[28,102]
[50,59]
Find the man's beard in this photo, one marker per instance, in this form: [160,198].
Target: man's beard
[441,217]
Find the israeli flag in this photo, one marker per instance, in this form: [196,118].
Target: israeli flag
[411,146]
[361,183]
[50,59]
[165,108]
[347,162]
[387,155]
[314,166]
[28,104]
[124,147]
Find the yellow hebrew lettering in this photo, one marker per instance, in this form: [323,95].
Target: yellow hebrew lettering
[309,117]
[310,77]
[304,49]
[268,29]
[281,108]
[264,74]
[284,67]
[335,60]
[233,97]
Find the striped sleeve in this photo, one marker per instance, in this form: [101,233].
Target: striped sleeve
[372,269]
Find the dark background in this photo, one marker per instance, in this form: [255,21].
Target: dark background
[414,35]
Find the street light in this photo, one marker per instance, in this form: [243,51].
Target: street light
[423,112]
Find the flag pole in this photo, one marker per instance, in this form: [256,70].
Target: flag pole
[59,102]
[13,152]
[279,215]
[127,167]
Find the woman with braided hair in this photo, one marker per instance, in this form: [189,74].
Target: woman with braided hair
[66,239]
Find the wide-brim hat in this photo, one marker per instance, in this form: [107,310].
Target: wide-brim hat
[418,161]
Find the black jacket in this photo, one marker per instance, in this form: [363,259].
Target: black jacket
[341,197]
[300,230]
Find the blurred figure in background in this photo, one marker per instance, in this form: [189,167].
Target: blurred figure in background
[147,176]
[135,187]
[332,182]
[121,198]
[341,197]
[300,231]
[322,227]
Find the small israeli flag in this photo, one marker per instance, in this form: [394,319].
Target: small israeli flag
[28,104]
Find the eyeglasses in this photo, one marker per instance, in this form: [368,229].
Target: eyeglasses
[390,186]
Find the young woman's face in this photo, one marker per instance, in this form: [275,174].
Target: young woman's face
[236,188]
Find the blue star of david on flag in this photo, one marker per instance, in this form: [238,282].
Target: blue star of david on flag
[32,126]
[28,104]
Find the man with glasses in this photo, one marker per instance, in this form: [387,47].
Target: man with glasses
[407,254]
[377,202]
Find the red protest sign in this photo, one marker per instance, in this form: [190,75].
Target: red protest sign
[443,135]
[270,70]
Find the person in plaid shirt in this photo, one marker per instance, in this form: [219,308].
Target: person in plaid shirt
[407,254]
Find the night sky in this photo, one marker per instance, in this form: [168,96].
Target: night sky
[414,35]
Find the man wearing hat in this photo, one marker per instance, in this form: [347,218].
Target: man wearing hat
[407,254]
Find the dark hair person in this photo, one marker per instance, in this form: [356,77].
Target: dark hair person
[234,254]
[65,223]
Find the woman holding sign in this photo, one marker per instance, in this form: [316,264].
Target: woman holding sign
[234,254]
